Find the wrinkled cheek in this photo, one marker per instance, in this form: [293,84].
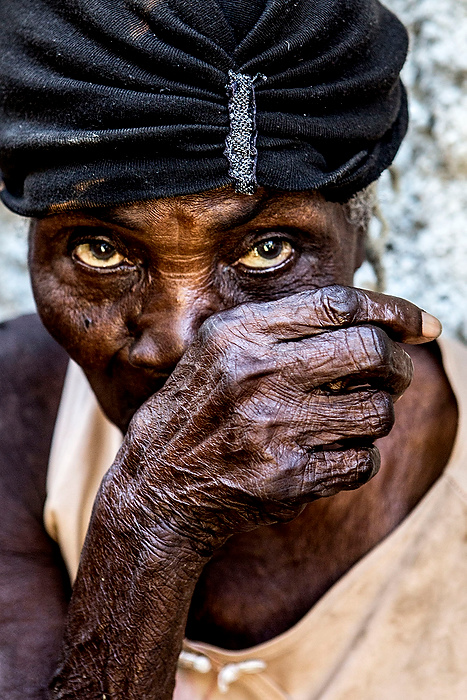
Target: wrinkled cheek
[91,331]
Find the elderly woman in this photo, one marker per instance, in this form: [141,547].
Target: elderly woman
[197,175]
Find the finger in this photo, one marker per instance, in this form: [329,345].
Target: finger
[318,474]
[340,470]
[313,421]
[352,355]
[327,308]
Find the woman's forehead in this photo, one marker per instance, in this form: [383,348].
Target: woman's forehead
[223,209]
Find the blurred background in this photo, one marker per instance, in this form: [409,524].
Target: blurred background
[423,198]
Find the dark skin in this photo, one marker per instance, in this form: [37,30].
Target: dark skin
[249,395]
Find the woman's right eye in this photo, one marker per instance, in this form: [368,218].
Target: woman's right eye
[98,253]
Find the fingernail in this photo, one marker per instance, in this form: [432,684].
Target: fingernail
[431,327]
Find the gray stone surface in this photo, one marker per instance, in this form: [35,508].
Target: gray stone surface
[423,199]
[15,290]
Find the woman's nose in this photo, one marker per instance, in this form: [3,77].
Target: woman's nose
[163,332]
[158,350]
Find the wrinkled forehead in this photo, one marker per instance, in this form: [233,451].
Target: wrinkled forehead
[212,213]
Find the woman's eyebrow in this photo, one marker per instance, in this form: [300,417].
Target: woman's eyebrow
[113,218]
[233,218]
[82,219]
[243,217]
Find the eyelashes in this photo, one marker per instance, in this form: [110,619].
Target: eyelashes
[268,254]
[102,253]
[98,253]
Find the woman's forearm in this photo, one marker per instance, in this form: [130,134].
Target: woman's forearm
[129,607]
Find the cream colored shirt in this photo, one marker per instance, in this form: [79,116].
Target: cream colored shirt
[393,628]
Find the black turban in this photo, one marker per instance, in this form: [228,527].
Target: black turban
[106,102]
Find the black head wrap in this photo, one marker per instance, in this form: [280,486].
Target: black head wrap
[105,102]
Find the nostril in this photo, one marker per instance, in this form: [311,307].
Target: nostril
[138,359]
[133,329]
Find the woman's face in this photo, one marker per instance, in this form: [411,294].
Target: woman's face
[125,290]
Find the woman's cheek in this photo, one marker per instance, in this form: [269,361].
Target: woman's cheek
[88,320]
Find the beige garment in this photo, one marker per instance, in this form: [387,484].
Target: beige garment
[84,446]
[393,628]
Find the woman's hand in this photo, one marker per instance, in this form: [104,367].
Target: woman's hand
[274,405]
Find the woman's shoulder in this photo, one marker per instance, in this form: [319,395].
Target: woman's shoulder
[32,371]
[25,338]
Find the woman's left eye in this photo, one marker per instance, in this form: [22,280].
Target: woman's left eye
[98,253]
[267,254]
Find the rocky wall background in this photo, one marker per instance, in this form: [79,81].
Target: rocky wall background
[423,199]
[15,291]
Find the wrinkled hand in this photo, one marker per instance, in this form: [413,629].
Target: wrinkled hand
[274,405]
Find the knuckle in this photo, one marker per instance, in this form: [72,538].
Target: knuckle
[225,328]
[376,349]
[243,370]
[239,355]
[380,416]
[367,464]
[213,331]
[230,378]
[287,480]
[336,305]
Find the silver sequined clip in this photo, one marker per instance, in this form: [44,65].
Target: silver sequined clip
[240,144]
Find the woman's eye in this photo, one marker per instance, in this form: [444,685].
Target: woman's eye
[98,253]
[267,254]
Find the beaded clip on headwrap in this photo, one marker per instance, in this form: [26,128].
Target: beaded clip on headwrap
[240,144]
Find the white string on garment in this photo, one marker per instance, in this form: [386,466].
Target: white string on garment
[194,662]
[227,674]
